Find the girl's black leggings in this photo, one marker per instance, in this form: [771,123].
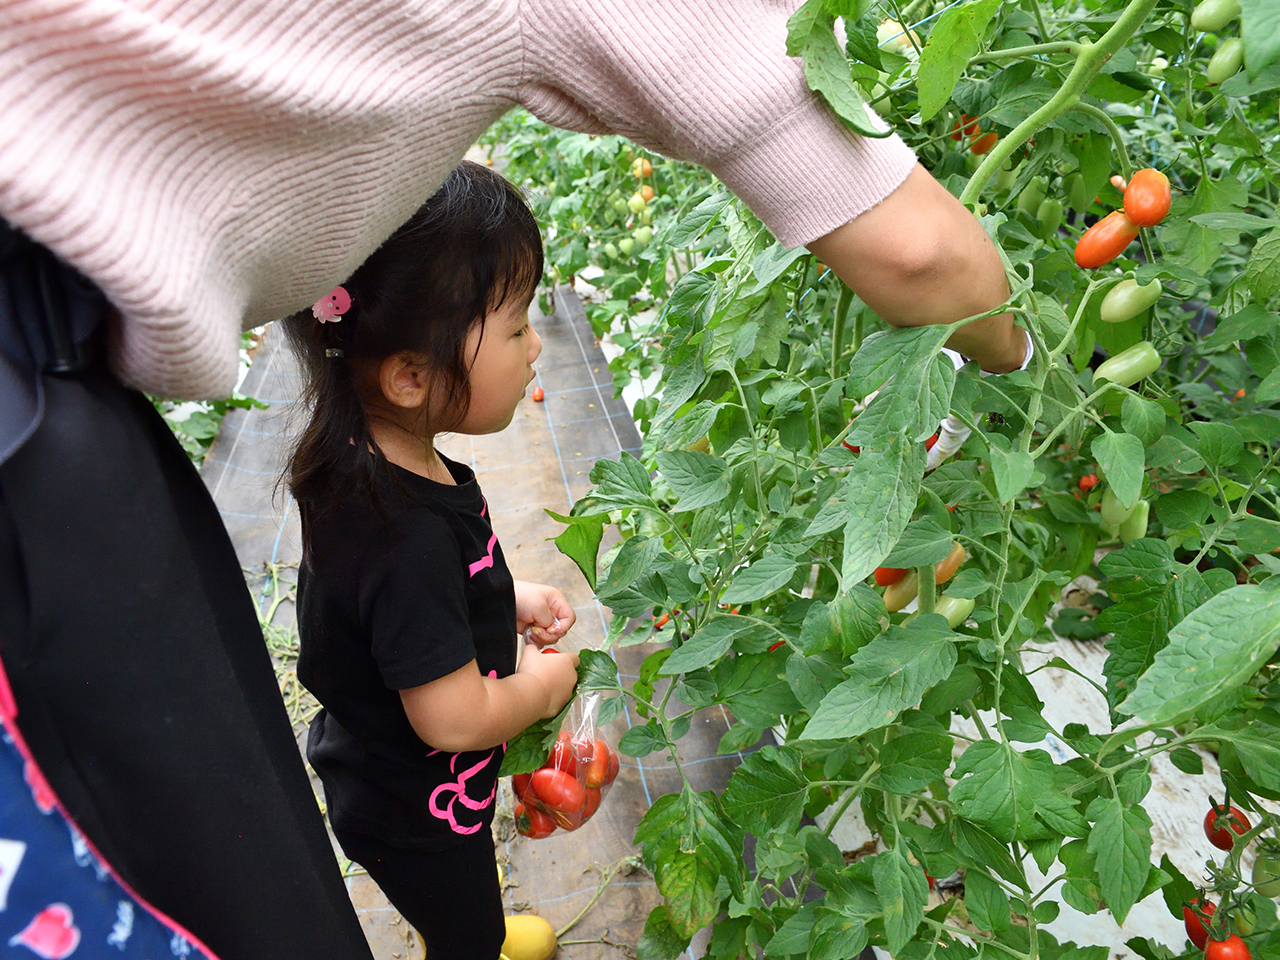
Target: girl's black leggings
[452,897]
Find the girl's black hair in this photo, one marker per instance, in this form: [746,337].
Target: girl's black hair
[469,249]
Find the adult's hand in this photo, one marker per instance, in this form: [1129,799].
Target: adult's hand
[918,258]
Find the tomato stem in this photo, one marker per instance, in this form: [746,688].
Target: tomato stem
[1031,50]
[837,329]
[928,592]
[1126,167]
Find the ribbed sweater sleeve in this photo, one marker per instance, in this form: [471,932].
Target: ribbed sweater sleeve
[709,83]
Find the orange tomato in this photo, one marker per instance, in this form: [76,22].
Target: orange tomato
[1147,197]
[537,394]
[1105,240]
[984,143]
[647,192]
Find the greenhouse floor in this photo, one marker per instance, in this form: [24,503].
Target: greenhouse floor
[542,460]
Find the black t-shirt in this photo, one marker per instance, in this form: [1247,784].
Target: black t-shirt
[385,605]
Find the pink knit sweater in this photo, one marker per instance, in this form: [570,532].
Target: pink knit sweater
[212,164]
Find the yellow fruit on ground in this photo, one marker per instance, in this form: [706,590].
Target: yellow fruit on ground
[529,938]
[500,876]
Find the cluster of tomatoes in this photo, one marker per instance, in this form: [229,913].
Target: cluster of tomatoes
[1220,823]
[567,789]
[1147,199]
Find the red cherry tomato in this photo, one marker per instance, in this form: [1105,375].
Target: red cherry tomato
[614,765]
[780,643]
[1215,825]
[563,755]
[1105,240]
[548,650]
[558,790]
[1232,948]
[538,394]
[984,143]
[1147,198]
[597,769]
[593,803]
[520,785]
[928,444]
[1196,931]
[932,883]
[533,823]
[888,575]
[1088,482]
[572,821]
[661,621]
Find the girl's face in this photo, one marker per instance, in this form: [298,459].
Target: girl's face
[501,366]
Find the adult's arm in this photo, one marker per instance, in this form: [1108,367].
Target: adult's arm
[713,84]
[919,257]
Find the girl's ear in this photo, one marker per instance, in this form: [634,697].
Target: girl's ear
[403,381]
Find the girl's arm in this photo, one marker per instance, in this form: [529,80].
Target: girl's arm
[545,610]
[466,711]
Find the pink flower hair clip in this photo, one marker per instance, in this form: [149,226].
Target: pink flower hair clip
[330,308]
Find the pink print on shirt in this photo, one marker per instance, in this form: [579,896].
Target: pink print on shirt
[486,561]
[458,790]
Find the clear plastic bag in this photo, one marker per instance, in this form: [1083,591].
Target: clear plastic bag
[567,790]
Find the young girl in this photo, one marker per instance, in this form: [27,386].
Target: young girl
[408,614]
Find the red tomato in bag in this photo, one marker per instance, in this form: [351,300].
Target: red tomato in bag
[558,790]
[533,823]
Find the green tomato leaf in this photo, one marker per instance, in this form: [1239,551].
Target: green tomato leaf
[1142,418]
[1219,444]
[1012,470]
[903,891]
[687,881]
[956,37]
[766,576]
[597,670]
[913,761]
[1211,652]
[580,542]
[660,941]
[1152,593]
[923,542]
[1121,845]
[620,483]
[1122,458]
[1257,744]
[828,72]
[1263,270]
[767,791]
[1260,27]
[697,221]
[880,493]
[986,902]
[886,676]
[698,479]
[642,741]
[1005,790]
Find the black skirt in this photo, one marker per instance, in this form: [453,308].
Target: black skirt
[144,687]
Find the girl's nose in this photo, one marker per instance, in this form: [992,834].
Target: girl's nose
[535,345]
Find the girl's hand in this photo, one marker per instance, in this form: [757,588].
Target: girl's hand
[543,611]
[557,671]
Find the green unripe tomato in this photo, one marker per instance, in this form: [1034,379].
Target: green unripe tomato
[646,215]
[627,246]
[643,236]
[1113,511]
[636,203]
[1226,62]
[1127,299]
[610,251]
[1245,920]
[1075,191]
[1049,215]
[1032,194]
[1129,366]
[1135,526]
[1157,67]
[1213,15]
[954,609]
[621,205]
[1266,872]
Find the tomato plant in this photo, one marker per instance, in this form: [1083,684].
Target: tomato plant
[769,484]
[1216,824]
